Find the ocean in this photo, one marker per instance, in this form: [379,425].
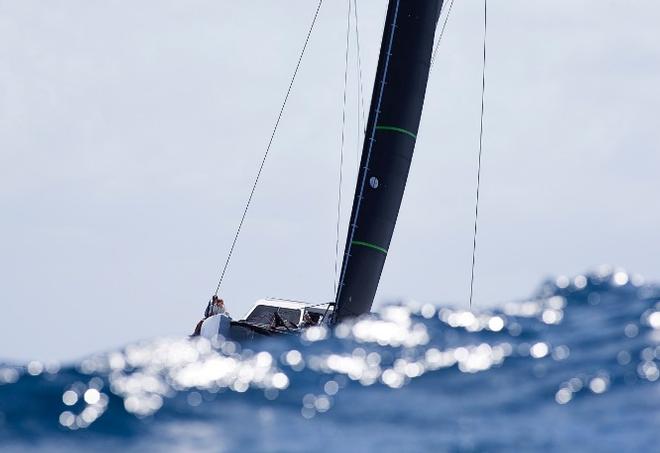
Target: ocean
[573,368]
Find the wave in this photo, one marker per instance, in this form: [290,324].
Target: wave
[577,364]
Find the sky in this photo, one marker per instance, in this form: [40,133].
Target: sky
[131,133]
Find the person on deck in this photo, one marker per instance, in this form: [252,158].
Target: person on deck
[216,306]
[308,320]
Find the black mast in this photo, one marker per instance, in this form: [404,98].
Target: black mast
[396,109]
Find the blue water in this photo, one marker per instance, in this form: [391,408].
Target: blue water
[574,368]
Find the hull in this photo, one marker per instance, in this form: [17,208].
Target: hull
[222,325]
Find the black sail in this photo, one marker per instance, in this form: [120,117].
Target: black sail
[394,116]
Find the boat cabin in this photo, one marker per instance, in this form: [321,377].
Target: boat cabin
[268,317]
[287,313]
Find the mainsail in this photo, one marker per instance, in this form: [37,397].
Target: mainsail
[394,116]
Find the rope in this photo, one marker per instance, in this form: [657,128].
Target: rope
[341,148]
[361,109]
[270,142]
[442,32]
[481,136]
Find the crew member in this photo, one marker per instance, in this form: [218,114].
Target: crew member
[216,306]
[308,320]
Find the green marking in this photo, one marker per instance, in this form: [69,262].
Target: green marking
[396,129]
[371,246]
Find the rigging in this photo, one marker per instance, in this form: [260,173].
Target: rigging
[361,121]
[442,33]
[270,142]
[341,147]
[481,136]
[360,89]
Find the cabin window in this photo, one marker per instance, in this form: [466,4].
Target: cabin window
[263,314]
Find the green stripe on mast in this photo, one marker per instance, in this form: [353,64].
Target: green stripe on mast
[371,246]
[396,129]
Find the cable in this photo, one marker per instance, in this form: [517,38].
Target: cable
[341,148]
[361,109]
[270,142]
[481,135]
[442,32]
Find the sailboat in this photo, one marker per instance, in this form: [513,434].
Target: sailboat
[395,112]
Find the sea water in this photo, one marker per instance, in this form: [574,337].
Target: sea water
[574,368]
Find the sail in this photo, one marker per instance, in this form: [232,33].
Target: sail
[394,116]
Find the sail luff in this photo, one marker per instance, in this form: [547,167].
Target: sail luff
[394,116]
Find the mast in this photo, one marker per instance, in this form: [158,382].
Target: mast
[394,116]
